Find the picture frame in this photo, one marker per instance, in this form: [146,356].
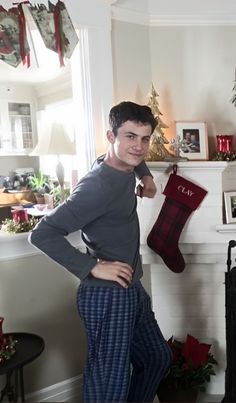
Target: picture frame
[230,207]
[193,140]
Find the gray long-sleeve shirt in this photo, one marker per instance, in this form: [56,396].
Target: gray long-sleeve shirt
[103,207]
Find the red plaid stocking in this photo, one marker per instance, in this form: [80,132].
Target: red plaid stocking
[182,198]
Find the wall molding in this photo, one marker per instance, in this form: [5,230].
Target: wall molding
[192,20]
[127,15]
[152,20]
[65,391]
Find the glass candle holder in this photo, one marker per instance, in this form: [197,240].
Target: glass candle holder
[224,143]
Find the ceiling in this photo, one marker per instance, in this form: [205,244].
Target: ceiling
[180,7]
[33,74]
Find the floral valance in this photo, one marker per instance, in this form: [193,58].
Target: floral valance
[53,23]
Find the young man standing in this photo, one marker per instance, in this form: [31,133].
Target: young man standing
[116,310]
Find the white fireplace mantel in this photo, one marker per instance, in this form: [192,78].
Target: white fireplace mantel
[193,302]
[207,224]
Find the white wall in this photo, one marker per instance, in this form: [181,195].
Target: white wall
[131,61]
[39,296]
[192,68]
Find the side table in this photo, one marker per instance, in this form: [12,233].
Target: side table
[29,346]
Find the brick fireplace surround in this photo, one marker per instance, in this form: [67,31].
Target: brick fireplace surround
[193,301]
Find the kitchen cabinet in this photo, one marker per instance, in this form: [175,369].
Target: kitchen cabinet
[18,134]
[16,128]
[20,125]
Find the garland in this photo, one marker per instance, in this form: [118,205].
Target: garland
[53,23]
[223,156]
[16,227]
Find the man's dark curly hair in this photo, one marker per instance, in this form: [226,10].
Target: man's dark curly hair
[127,110]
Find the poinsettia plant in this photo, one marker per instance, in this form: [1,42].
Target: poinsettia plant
[192,364]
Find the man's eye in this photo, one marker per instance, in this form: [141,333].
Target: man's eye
[146,139]
[131,136]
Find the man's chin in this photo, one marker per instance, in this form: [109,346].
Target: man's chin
[134,162]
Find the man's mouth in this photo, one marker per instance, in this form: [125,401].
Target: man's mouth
[136,155]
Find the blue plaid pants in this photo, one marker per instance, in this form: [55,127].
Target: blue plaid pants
[127,353]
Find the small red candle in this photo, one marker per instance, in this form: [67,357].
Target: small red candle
[19,215]
[224,143]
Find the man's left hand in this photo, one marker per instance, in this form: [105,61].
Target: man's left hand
[146,187]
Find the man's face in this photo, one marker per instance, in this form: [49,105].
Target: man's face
[130,145]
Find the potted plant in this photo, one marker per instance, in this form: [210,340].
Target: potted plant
[192,367]
[39,184]
[56,194]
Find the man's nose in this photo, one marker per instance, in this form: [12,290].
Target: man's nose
[138,144]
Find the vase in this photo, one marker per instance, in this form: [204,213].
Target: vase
[172,394]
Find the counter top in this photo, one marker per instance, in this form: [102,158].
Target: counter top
[16,198]
[13,246]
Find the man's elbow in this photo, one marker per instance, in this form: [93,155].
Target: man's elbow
[33,239]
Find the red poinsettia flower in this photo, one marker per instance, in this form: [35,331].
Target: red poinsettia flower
[192,364]
[195,352]
[176,348]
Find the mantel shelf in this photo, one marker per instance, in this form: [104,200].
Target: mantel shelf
[197,165]
[226,228]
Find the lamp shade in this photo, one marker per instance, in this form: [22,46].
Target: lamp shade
[54,141]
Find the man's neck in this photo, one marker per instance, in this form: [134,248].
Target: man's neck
[115,163]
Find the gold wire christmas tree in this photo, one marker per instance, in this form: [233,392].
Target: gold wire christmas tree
[157,150]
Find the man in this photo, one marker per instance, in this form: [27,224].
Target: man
[116,310]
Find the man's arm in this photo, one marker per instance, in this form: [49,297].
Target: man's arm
[146,186]
[85,204]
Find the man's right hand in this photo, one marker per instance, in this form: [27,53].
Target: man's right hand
[120,272]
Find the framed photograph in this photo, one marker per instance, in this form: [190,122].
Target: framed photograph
[230,206]
[193,140]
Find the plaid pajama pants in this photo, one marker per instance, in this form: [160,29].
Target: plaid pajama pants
[121,330]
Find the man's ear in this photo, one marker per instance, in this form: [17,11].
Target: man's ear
[110,136]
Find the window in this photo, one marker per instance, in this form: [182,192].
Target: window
[61,112]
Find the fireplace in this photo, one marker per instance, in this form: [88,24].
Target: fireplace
[193,301]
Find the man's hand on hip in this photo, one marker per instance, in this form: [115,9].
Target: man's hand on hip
[120,272]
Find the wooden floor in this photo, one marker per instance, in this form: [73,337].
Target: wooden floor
[203,398]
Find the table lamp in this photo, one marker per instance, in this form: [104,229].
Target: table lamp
[55,141]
